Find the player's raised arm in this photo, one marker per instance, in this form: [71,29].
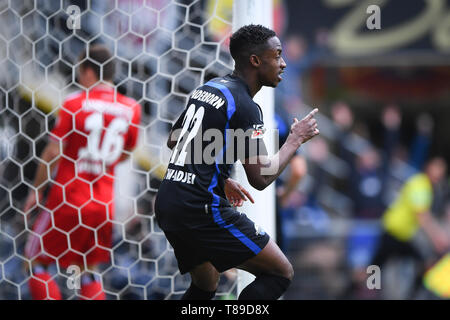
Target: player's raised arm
[262,170]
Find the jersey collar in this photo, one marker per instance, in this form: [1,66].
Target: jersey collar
[103,87]
[241,81]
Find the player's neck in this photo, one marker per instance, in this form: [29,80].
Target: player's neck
[250,79]
[106,85]
[103,85]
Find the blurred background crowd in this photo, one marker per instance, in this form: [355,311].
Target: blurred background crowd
[383,97]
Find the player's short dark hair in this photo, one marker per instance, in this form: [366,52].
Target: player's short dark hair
[99,59]
[248,40]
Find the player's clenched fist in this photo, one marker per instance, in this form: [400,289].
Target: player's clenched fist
[305,129]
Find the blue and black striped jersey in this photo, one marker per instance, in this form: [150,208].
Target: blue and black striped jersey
[220,125]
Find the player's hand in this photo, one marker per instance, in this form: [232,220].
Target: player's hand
[236,193]
[306,128]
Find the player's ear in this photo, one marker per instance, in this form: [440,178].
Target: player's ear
[255,60]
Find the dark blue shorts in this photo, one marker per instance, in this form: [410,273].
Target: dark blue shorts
[225,243]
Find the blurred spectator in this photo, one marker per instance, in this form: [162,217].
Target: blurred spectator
[288,100]
[343,121]
[410,212]
[288,182]
[401,162]
[367,185]
[422,140]
[299,57]
[294,54]
[297,164]
[312,212]
[342,116]
[391,120]
[318,154]
[361,245]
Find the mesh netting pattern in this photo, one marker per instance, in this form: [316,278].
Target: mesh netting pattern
[163,49]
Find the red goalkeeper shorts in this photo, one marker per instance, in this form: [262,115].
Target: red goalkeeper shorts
[72,237]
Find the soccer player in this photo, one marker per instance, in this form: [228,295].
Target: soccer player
[96,129]
[208,235]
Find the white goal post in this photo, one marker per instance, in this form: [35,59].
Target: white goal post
[163,50]
[262,212]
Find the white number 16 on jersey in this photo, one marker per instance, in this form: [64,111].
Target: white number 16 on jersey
[108,150]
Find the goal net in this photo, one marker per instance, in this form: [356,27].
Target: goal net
[163,50]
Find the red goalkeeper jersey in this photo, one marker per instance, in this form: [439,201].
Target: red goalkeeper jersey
[94,127]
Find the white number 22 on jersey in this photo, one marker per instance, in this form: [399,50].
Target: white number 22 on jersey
[191,119]
[108,150]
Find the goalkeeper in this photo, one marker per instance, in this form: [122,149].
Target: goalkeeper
[96,129]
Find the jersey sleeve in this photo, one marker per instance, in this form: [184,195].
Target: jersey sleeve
[249,131]
[64,123]
[133,130]
[248,116]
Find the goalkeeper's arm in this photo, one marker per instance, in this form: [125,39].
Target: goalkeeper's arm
[50,157]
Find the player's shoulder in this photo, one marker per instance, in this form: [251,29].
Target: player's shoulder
[234,89]
[73,100]
[419,181]
[229,83]
[78,94]
[129,102]
[417,178]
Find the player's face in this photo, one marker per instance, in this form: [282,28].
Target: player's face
[86,77]
[273,64]
[82,77]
